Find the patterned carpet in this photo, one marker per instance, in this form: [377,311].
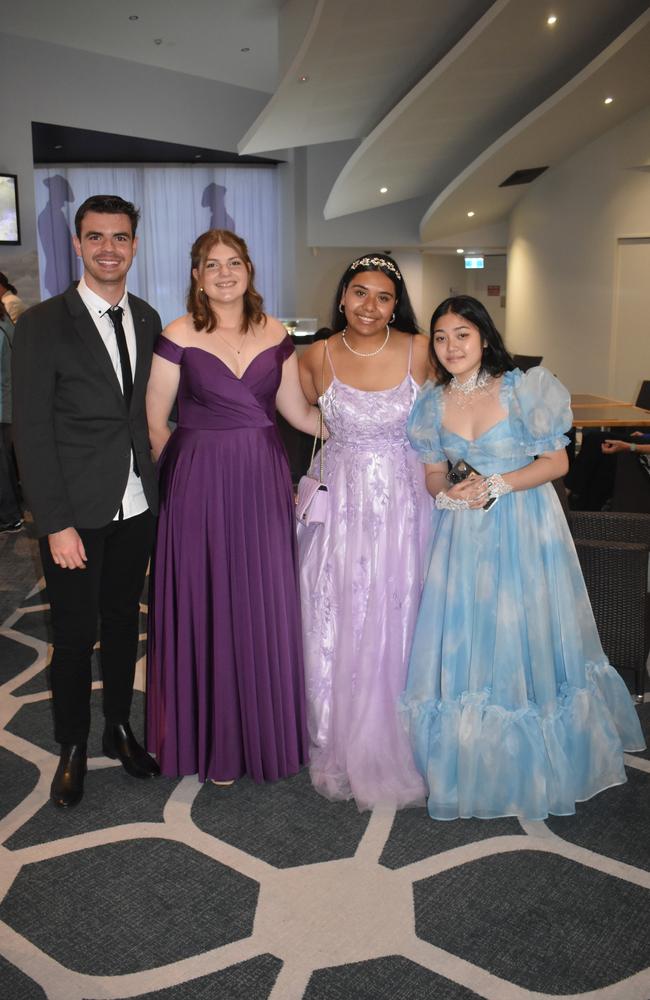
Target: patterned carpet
[173,890]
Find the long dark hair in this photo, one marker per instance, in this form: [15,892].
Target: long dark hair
[198,303]
[404,317]
[496,360]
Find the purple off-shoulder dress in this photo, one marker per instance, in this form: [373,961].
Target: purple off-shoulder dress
[225,687]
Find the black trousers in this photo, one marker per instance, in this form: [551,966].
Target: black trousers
[592,473]
[108,591]
[9,495]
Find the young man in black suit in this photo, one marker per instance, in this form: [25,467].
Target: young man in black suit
[80,368]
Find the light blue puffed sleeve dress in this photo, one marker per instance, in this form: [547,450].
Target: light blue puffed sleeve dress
[511,704]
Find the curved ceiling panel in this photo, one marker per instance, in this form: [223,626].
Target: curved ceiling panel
[508,63]
[569,119]
[355,61]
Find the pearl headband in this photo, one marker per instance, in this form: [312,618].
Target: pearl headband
[365,262]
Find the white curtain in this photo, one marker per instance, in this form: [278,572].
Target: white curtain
[177,204]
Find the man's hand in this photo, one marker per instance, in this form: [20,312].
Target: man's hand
[67,549]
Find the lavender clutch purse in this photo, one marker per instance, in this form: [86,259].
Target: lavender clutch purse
[311,502]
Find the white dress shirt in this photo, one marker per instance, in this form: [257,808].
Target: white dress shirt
[133,501]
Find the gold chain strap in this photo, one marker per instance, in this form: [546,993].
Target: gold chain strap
[320,421]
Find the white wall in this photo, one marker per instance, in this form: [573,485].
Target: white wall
[477,283]
[563,250]
[442,276]
[64,86]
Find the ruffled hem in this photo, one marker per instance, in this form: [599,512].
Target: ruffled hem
[480,759]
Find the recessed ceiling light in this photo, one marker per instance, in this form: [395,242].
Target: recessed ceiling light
[551,20]
[303,79]
[460,250]
[609,100]
[60,146]
[470,215]
[197,156]
[157,41]
[383,190]
[134,17]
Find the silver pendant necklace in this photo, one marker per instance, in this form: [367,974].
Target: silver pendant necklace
[366,354]
[228,344]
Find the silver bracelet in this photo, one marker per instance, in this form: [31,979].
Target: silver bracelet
[497,486]
[444,502]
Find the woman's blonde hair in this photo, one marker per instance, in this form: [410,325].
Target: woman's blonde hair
[198,303]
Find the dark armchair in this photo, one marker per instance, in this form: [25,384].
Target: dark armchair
[631,484]
[614,549]
[525,361]
[643,399]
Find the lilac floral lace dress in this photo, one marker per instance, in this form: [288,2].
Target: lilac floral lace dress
[361,574]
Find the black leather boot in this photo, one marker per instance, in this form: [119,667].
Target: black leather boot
[119,742]
[68,783]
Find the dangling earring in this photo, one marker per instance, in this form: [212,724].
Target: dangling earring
[392,319]
[341,308]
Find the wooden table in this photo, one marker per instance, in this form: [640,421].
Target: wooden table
[611,414]
[586,399]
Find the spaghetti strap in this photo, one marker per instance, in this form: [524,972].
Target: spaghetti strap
[408,370]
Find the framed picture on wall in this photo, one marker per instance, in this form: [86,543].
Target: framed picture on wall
[9,216]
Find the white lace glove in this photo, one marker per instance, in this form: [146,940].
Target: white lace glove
[444,502]
[497,486]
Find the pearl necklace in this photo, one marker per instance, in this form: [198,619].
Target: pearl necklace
[366,354]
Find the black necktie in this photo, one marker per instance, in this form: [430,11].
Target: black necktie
[116,313]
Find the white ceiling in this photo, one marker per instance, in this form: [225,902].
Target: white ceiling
[569,119]
[506,65]
[358,65]
[199,37]
[444,98]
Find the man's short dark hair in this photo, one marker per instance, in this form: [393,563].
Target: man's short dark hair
[107,204]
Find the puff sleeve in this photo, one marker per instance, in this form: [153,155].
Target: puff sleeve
[423,425]
[541,410]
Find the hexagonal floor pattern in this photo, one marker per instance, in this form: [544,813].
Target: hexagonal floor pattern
[183,891]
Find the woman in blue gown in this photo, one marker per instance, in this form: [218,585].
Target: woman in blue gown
[512,706]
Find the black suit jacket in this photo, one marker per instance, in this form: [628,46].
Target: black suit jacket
[72,430]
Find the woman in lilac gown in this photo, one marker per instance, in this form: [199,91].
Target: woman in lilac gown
[362,570]
[225,687]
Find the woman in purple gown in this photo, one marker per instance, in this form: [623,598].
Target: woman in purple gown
[225,688]
[362,570]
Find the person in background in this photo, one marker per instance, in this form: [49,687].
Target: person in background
[10,513]
[14,306]
[512,705]
[361,571]
[81,364]
[225,684]
[640,442]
